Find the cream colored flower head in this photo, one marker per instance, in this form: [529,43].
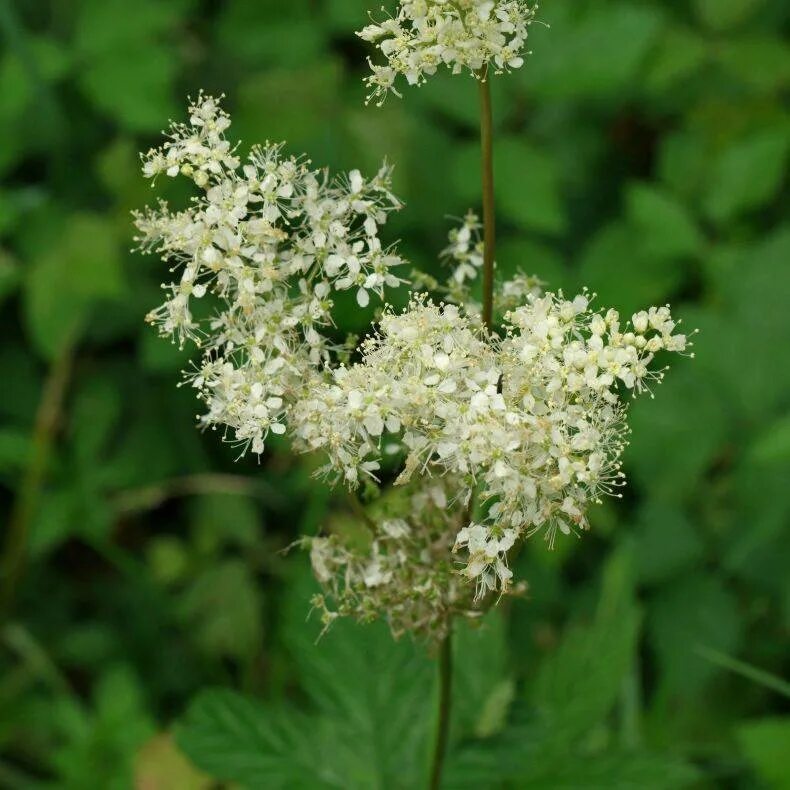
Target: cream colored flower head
[463,35]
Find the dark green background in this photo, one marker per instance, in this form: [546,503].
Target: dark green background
[641,151]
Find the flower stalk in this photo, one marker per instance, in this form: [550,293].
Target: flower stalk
[489,219]
[489,245]
[445,705]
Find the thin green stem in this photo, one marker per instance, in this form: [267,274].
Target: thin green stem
[489,219]
[443,719]
[489,247]
[24,507]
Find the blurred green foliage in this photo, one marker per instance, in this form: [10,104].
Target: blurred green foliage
[641,151]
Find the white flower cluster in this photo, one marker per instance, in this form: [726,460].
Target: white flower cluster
[535,420]
[463,35]
[493,436]
[404,572]
[266,244]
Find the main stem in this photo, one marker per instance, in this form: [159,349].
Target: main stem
[489,246]
[489,220]
[445,697]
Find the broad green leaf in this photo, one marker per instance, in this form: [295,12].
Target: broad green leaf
[764,743]
[725,14]
[665,542]
[306,101]
[748,173]
[95,415]
[9,275]
[752,280]
[577,685]
[15,449]
[379,693]
[100,745]
[618,266]
[346,16]
[758,62]
[528,188]
[236,739]
[679,55]
[773,444]
[526,183]
[615,770]
[222,608]
[684,163]
[695,611]
[98,32]
[220,520]
[257,33]
[483,687]
[133,86]
[62,285]
[678,434]
[596,50]
[665,226]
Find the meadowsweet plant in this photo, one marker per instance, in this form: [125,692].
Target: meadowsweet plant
[482,414]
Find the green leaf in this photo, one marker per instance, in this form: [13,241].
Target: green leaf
[773,444]
[98,32]
[725,14]
[220,520]
[526,183]
[222,607]
[529,193]
[577,685]
[306,101]
[96,412]
[666,542]
[747,174]
[684,163]
[482,686]
[83,268]
[236,739]
[9,275]
[694,611]
[15,449]
[615,770]
[678,434]
[596,50]
[665,226]
[679,55]
[623,272]
[378,693]
[761,63]
[289,36]
[100,746]
[764,743]
[133,86]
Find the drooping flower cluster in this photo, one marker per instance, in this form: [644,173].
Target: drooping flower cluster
[463,35]
[403,569]
[534,420]
[268,243]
